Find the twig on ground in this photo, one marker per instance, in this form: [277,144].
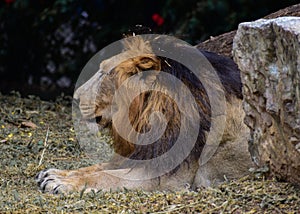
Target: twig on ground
[45,146]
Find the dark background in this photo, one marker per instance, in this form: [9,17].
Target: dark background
[44,44]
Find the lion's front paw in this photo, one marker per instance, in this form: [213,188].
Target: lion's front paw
[53,181]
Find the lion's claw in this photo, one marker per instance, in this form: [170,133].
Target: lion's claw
[51,181]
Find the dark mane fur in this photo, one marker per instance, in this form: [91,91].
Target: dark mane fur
[149,101]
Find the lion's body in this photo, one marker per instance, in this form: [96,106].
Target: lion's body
[231,159]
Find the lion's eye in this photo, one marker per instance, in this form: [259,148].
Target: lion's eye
[147,63]
[145,60]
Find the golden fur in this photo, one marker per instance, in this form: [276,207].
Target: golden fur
[231,160]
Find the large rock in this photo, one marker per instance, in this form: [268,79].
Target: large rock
[268,55]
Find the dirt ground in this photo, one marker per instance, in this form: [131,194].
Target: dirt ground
[28,146]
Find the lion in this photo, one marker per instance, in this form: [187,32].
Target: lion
[131,168]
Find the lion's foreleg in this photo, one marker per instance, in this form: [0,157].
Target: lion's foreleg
[58,181]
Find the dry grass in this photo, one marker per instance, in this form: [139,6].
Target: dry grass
[25,150]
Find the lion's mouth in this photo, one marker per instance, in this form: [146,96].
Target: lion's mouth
[87,116]
[101,122]
[98,119]
[93,119]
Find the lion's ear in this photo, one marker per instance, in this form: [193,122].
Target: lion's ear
[149,62]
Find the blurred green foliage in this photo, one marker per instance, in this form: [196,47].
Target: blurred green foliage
[45,44]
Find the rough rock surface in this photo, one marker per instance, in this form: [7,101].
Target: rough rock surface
[268,55]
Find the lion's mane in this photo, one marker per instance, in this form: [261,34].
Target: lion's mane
[147,102]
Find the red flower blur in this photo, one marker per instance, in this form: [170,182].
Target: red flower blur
[9,1]
[158,19]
